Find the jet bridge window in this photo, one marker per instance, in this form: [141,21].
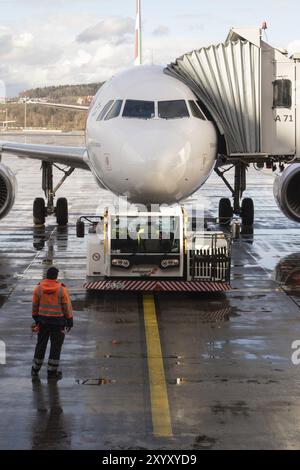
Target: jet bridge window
[104,110]
[196,111]
[175,109]
[282,93]
[114,110]
[139,109]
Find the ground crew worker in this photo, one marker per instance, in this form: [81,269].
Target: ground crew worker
[52,312]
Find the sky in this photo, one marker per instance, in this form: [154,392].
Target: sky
[53,42]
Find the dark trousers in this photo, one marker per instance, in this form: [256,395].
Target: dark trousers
[57,336]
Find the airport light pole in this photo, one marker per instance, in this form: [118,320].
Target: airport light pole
[6,120]
[25,113]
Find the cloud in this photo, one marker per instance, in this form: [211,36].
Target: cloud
[194,27]
[293,47]
[115,29]
[33,55]
[161,30]
[46,52]
[5,44]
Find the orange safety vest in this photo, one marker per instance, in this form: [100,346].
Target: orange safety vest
[51,299]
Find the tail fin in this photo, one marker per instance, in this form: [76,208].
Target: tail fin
[138,35]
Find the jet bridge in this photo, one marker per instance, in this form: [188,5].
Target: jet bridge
[250,91]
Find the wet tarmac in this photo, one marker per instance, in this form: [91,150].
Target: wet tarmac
[226,358]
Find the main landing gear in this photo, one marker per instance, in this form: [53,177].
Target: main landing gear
[40,209]
[243,208]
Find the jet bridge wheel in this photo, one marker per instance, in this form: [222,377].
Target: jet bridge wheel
[39,211]
[225,211]
[62,215]
[247,212]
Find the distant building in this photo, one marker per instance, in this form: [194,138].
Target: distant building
[84,100]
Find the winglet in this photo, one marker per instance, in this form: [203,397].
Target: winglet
[138,35]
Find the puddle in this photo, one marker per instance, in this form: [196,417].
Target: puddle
[98,381]
[238,408]
[204,442]
[287,271]
[119,321]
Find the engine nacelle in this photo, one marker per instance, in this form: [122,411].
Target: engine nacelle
[8,190]
[287,191]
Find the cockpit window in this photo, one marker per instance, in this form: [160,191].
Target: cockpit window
[139,109]
[196,111]
[104,110]
[114,110]
[172,109]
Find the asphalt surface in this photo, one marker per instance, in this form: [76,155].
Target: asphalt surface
[226,358]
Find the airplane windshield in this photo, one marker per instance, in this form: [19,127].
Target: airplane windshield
[104,110]
[172,109]
[114,110]
[139,109]
[196,112]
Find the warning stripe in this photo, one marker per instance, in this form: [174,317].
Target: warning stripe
[164,286]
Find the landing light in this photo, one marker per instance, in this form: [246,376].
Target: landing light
[121,263]
[169,263]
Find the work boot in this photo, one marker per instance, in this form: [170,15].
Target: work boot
[54,375]
[34,373]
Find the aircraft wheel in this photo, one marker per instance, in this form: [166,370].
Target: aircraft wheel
[39,211]
[62,215]
[247,212]
[225,211]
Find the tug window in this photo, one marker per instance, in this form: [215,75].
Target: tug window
[104,110]
[139,109]
[282,93]
[114,110]
[175,109]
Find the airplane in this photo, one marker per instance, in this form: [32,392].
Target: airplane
[148,137]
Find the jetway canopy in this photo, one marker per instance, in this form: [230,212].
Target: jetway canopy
[251,90]
[226,78]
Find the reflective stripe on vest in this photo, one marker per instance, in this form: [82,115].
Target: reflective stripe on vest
[51,310]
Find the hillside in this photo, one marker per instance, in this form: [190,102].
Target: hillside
[50,118]
[61,92]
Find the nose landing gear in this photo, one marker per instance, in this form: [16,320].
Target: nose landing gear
[40,209]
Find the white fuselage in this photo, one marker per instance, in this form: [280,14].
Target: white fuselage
[149,158]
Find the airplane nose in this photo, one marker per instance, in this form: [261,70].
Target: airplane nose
[156,165]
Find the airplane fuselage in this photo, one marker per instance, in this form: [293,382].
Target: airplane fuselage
[147,138]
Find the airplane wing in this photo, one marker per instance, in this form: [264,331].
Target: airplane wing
[75,107]
[75,157]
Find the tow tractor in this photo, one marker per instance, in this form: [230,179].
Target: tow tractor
[154,251]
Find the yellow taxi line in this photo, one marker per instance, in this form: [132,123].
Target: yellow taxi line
[160,409]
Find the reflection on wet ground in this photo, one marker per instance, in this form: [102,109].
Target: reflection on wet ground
[227,357]
[50,428]
[287,270]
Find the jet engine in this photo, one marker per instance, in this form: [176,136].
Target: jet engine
[8,189]
[287,191]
